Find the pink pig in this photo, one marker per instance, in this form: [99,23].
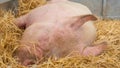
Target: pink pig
[57,29]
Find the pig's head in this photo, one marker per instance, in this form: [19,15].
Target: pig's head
[27,55]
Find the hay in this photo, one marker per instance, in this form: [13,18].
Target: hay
[26,5]
[107,30]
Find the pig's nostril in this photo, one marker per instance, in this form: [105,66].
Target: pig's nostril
[31,62]
[28,62]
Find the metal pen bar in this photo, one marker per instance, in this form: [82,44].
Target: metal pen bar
[3,1]
[104,8]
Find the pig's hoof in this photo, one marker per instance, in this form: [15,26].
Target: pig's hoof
[95,50]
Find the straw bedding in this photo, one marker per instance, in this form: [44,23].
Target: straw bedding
[107,30]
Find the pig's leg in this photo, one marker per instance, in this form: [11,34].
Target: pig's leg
[21,21]
[94,50]
[77,21]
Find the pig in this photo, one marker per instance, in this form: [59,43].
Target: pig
[57,29]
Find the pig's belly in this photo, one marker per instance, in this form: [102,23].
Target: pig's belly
[36,32]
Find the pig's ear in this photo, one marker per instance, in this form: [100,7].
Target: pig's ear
[78,21]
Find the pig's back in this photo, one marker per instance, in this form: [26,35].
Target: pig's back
[56,11]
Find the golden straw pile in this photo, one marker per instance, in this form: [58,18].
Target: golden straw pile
[107,30]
